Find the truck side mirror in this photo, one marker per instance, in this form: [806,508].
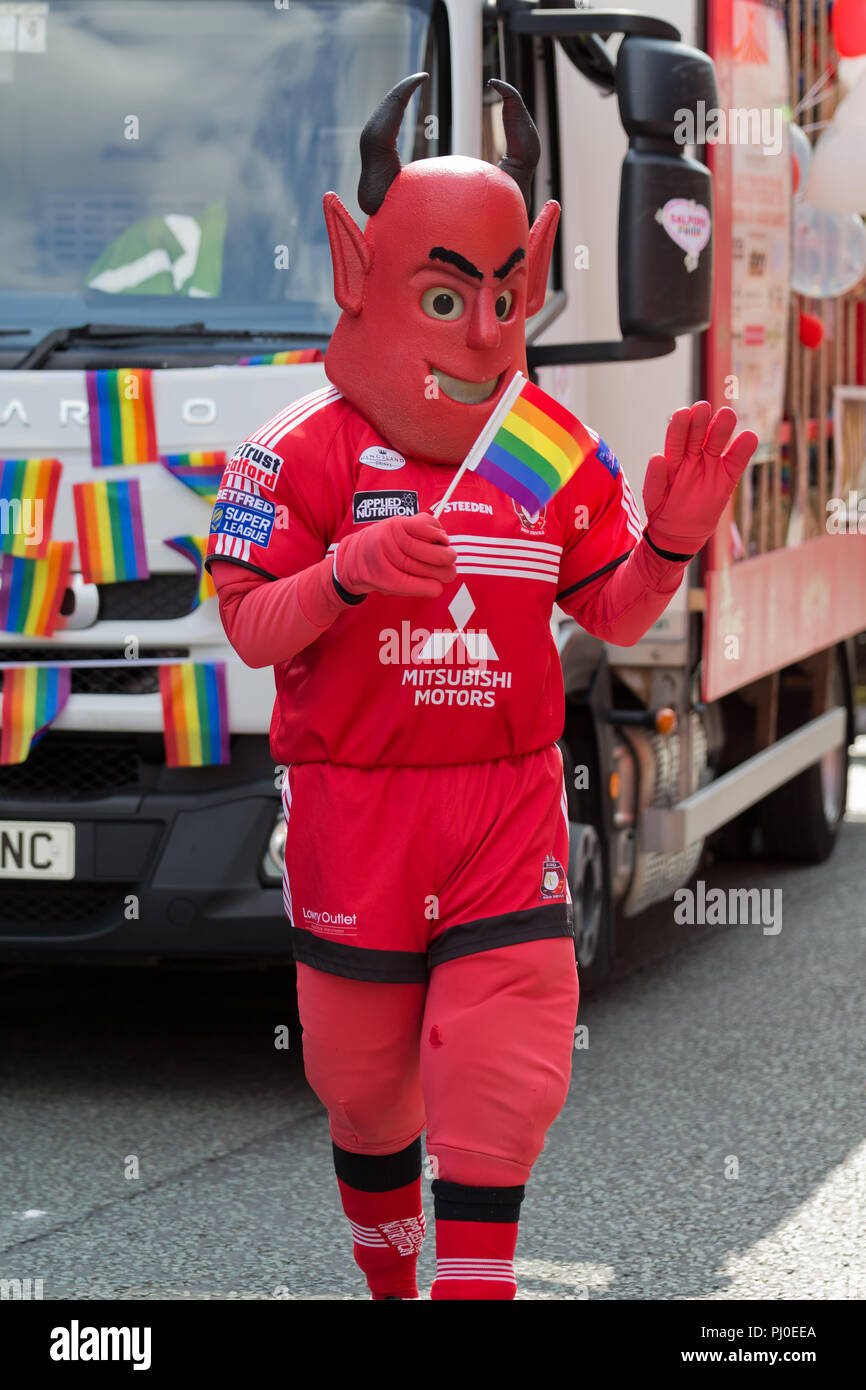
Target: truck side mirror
[665,206]
[666,199]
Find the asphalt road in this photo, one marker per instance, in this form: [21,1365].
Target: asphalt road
[713,1144]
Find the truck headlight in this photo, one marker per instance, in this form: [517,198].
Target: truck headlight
[272,864]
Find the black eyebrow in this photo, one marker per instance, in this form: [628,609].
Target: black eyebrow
[439,253]
[516,255]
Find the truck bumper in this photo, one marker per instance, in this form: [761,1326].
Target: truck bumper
[671,829]
[168,861]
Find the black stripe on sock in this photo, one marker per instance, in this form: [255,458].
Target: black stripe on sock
[454,1202]
[378,1172]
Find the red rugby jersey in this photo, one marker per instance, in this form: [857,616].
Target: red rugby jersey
[471,675]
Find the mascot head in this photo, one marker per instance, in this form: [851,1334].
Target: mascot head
[436,290]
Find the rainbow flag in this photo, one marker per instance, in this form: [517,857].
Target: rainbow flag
[122,428]
[194,714]
[110,530]
[202,472]
[28,493]
[32,697]
[283,359]
[195,549]
[31,591]
[531,446]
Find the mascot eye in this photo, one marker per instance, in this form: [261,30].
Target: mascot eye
[503,303]
[440,303]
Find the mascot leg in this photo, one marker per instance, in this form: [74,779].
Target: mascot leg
[496,1050]
[361,1045]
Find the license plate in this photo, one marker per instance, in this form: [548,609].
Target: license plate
[37,849]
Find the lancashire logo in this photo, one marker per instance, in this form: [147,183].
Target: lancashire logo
[378,506]
[530,521]
[552,878]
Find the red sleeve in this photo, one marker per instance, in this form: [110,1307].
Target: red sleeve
[269,622]
[610,579]
[273,511]
[269,533]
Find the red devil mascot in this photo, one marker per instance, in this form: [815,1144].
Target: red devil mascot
[420,697]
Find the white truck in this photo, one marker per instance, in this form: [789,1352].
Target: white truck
[162,151]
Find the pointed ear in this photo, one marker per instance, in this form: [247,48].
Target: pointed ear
[350,255]
[541,237]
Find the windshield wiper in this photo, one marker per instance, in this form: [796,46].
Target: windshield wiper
[107,333]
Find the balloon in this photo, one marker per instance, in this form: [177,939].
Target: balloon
[829,251]
[851,70]
[849,27]
[850,114]
[801,157]
[811,331]
[837,176]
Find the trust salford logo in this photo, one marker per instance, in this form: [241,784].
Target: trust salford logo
[476,642]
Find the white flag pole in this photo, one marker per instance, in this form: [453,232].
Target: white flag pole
[476,453]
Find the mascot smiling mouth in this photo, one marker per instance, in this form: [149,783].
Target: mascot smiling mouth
[467,392]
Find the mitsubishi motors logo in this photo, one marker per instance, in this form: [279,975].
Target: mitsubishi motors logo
[476,642]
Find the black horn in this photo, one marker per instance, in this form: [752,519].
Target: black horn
[522,145]
[380,162]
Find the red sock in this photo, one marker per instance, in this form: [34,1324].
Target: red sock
[476,1232]
[382,1199]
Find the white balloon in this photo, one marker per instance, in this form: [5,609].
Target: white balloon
[801,150]
[851,70]
[851,111]
[837,174]
[829,251]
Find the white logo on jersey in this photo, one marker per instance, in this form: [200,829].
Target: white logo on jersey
[477,643]
[377,456]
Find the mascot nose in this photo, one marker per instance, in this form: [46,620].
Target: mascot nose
[483,331]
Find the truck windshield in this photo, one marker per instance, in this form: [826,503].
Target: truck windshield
[158,151]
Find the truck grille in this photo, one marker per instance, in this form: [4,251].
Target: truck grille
[67,769]
[132,679]
[159,598]
[59,909]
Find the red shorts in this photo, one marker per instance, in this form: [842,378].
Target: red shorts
[392,870]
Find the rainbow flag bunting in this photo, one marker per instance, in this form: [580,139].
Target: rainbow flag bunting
[110,530]
[283,359]
[194,714]
[122,428]
[531,446]
[31,591]
[202,472]
[28,493]
[194,548]
[33,696]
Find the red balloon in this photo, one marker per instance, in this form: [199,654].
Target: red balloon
[811,331]
[849,27]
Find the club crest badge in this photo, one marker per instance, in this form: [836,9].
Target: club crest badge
[530,521]
[552,878]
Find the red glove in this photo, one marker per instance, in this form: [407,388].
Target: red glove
[404,555]
[688,486]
